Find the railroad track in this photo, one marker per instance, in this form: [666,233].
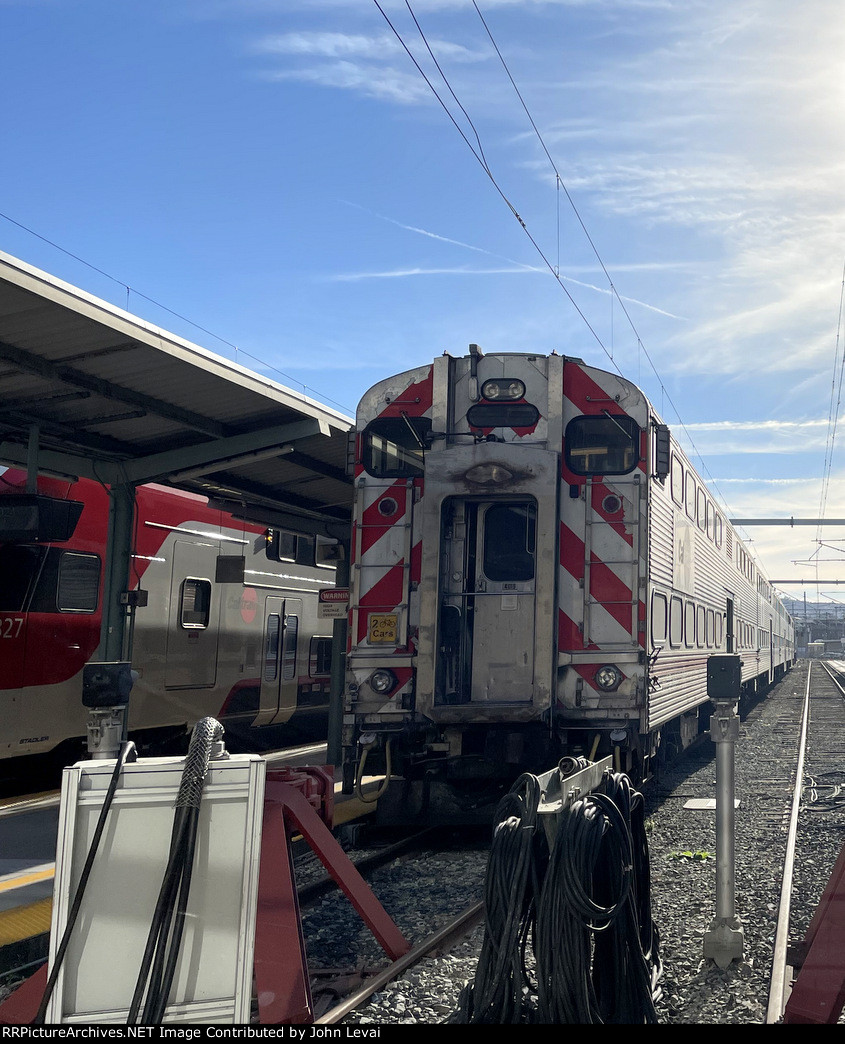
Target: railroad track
[816,819]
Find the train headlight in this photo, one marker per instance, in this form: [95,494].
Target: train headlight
[382,681]
[502,388]
[608,678]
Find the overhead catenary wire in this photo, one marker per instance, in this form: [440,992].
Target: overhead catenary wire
[553,269]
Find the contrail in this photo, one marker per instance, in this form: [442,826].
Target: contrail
[480,250]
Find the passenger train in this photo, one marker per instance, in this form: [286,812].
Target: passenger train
[537,570]
[251,653]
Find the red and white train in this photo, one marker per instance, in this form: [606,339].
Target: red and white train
[249,654]
[537,569]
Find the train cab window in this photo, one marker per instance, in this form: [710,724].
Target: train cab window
[394,447]
[289,647]
[677,480]
[195,604]
[19,568]
[658,618]
[509,535]
[602,445]
[320,657]
[676,622]
[78,583]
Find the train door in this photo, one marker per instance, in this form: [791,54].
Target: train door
[279,679]
[488,609]
[191,658]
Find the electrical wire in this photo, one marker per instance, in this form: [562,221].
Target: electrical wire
[126,755]
[583,910]
[478,153]
[159,961]
[503,991]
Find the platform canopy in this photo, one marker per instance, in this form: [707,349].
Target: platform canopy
[87,389]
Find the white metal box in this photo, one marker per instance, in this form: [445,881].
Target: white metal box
[213,981]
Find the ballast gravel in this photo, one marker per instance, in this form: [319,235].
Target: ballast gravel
[422,894]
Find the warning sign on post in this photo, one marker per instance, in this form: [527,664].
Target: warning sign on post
[333,603]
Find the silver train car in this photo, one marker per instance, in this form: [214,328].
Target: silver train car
[537,570]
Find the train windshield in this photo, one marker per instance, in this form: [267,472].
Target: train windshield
[602,445]
[19,568]
[393,447]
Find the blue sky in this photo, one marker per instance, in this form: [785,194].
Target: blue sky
[279,173]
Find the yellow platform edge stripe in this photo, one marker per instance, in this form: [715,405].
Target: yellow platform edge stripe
[25,921]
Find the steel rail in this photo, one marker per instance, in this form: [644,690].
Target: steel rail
[458,927]
[777,988]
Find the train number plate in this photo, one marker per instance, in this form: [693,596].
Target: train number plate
[384,628]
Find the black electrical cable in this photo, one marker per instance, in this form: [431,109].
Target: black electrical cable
[583,911]
[127,754]
[158,964]
[502,992]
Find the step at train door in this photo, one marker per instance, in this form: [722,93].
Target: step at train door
[488,607]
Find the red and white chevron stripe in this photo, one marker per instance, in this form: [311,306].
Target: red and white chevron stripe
[601,551]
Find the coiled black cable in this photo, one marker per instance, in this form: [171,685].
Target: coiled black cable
[503,991]
[127,754]
[584,908]
[158,964]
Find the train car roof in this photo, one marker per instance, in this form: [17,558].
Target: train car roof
[101,393]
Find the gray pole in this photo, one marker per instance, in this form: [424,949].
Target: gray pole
[724,942]
[334,749]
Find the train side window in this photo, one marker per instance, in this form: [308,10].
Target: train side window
[195,603]
[676,622]
[658,618]
[394,447]
[602,445]
[700,627]
[711,628]
[711,521]
[281,545]
[271,647]
[701,512]
[19,568]
[327,553]
[690,496]
[689,625]
[677,481]
[720,630]
[79,583]
[320,657]
[289,647]
[717,528]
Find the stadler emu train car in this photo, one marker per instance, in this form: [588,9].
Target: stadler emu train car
[250,653]
[537,570]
